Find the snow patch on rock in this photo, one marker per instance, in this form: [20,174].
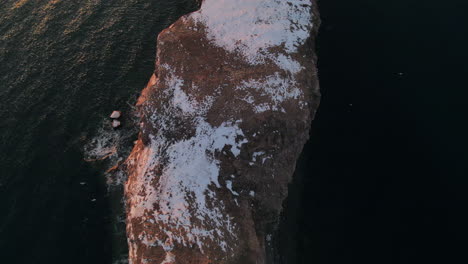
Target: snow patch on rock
[183,198]
[253,27]
[229,186]
[180,99]
[170,258]
[275,88]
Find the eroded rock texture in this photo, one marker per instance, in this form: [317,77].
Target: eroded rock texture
[224,119]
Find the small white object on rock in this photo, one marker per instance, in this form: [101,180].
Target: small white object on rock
[115,123]
[115,114]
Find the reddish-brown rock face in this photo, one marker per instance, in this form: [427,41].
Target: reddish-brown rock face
[224,120]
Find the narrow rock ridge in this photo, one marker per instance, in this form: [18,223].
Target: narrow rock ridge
[223,121]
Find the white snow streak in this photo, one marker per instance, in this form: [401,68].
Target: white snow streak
[252,27]
[275,88]
[184,192]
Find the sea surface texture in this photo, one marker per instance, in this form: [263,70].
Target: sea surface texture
[64,66]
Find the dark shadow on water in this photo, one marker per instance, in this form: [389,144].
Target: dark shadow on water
[383,178]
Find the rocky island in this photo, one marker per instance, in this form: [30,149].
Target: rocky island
[224,119]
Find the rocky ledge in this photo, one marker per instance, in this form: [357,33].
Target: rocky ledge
[223,121]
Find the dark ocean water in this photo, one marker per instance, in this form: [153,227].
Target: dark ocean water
[384,178]
[64,66]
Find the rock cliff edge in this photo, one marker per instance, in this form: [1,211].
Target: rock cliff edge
[223,121]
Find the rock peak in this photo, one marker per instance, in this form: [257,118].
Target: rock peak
[224,119]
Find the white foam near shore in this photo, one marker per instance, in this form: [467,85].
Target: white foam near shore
[103,145]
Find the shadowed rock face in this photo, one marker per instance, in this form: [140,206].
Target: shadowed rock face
[223,121]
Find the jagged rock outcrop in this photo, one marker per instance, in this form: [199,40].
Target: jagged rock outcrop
[224,119]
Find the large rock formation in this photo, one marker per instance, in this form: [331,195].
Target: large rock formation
[224,119]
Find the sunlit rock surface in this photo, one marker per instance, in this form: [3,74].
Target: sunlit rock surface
[223,121]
